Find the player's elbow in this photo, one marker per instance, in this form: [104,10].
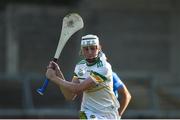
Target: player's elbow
[125,93]
[128,96]
[70,98]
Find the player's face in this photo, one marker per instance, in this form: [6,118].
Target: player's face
[90,52]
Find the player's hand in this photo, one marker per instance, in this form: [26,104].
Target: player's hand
[51,73]
[56,68]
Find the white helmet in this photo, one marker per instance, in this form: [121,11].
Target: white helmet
[89,40]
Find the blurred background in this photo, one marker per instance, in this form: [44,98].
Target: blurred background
[140,38]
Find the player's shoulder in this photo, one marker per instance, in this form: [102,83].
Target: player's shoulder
[103,66]
[105,63]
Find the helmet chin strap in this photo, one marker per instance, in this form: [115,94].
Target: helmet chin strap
[91,60]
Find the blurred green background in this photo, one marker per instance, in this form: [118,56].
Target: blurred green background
[139,37]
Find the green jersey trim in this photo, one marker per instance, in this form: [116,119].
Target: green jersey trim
[91,64]
[82,62]
[74,74]
[82,115]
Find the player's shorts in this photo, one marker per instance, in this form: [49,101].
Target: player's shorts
[113,115]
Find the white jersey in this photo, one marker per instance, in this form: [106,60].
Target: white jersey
[99,99]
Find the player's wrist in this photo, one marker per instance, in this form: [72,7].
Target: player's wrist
[55,79]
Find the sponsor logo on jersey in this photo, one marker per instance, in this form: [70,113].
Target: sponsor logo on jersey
[81,72]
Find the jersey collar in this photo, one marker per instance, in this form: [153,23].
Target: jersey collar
[92,63]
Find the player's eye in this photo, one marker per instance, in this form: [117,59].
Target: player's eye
[93,47]
[90,48]
[86,48]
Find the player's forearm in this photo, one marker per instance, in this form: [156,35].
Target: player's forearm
[75,88]
[68,86]
[67,94]
[124,103]
[52,75]
[60,74]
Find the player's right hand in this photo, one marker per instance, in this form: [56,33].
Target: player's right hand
[56,68]
[50,73]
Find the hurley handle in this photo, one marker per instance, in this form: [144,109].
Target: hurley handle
[42,89]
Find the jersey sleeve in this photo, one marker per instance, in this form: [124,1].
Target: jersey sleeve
[117,83]
[75,74]
[103,74]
